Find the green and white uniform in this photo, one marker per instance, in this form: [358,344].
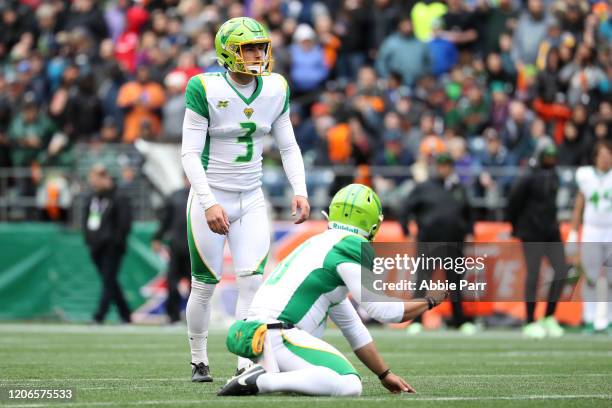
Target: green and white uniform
[223,131]
[232,154]
[222,156]
[596,187]
[309,285]
[596,250]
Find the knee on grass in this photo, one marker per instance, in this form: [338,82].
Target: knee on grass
[348,386]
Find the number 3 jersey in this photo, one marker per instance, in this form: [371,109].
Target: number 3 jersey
[232,155]
[597,190]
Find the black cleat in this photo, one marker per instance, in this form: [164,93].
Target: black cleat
[244,384]
[200,373]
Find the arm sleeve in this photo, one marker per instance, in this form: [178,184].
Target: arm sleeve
[384,312]
[195,129]
[346,318]
[566,73]
[282,130]
[381,60]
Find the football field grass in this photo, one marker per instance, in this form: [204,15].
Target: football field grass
[118,366]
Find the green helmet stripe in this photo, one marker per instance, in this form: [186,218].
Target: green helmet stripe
[377,204]
[230,30]
[353,203]
[253,25]
[346,195]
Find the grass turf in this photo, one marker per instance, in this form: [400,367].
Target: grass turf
[120,366]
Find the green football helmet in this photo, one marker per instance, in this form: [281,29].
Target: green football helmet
[356,208]
[233,35]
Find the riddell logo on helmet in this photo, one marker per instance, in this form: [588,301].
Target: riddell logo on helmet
[349,228]
[345,227]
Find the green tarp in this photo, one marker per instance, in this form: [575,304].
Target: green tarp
[46,271]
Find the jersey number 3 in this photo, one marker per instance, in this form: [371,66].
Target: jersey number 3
[248,139]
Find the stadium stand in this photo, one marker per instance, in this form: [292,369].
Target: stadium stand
[82,80]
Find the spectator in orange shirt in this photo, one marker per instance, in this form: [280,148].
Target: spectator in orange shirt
[329,41]
[141,101]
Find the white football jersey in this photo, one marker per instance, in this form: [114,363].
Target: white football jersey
[597,190]
[305,285]
[232,156]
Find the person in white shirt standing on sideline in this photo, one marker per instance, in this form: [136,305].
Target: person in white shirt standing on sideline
[226,118]
[594,208]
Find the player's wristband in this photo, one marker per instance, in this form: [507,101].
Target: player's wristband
[431,303]
[384,374]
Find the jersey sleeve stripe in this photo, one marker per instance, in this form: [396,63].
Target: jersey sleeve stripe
[195,96]
[287,96]
[201,77]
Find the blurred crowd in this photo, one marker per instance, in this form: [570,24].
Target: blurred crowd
[374,82]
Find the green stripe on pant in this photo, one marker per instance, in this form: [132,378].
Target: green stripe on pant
[321,358]
[199,269]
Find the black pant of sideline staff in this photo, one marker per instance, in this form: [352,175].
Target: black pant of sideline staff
[534,252]
[179,267]
[108,261]
[441,251]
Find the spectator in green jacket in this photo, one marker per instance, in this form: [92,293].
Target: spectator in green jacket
[29,132]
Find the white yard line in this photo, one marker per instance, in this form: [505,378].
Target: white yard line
[513,354]
[186,380]
[24,328]
[91,379]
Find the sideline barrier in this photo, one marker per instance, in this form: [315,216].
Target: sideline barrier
[46,272]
